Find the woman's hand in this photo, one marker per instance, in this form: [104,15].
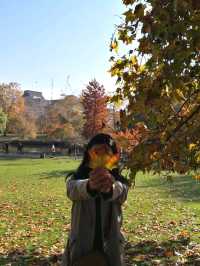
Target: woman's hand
[94,183]
[101,180]
[107,185]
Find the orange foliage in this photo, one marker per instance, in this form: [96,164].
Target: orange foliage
[130,138]
[101,156]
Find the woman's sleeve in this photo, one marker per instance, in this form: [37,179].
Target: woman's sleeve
[77,189]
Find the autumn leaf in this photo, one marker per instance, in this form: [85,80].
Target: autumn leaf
[139,10]
[128,2]
[114,45]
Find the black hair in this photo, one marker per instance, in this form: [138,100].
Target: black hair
[103,139]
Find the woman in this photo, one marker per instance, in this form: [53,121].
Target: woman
[97,191]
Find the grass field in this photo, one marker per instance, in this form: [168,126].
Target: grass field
[161,219]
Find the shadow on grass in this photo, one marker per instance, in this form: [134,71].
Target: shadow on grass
[183,187]
[8,158]
[142,253]
[22,258]
[16,156]
[160,253]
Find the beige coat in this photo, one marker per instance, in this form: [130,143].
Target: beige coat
[81,236]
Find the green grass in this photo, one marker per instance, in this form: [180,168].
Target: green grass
[35,213]
[162,208]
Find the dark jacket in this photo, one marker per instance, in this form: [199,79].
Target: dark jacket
[83,220]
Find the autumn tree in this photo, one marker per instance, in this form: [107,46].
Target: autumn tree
[19,121]
[158,76]
[11,100]
[64,118]
[95,108]
[23,126]
[3,121]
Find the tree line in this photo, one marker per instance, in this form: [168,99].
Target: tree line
[71,117]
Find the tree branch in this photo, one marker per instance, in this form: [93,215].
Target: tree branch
[183,123]
[186,101]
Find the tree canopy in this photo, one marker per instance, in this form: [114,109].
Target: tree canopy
[3,121]
[158,76]
[64,118]
[18,120]
[95,108]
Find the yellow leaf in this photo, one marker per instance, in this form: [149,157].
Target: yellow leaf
[134,60]
[184,233]
[192,146]
[179,95]
[100,158]
[139,10]
[118,103]
[114,45]
[142,68]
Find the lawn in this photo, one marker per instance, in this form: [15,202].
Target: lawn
[161,219]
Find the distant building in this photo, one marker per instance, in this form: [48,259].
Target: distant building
[36,95]
[35,103]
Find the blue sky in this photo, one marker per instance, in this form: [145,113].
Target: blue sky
[43,40]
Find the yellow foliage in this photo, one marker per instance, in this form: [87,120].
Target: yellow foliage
[133,59]
[192,146]
[142,68]
[179,95]
[118,102]
[197,177]
[184,234]
[100,156]
[198,158]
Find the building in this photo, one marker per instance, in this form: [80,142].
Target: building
[35,103]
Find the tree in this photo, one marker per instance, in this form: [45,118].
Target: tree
[72,112]
[19,122]
[23,126]
[64,118]
[3,121]
[64,132]
[159,78]
[95,108]
[11,102]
